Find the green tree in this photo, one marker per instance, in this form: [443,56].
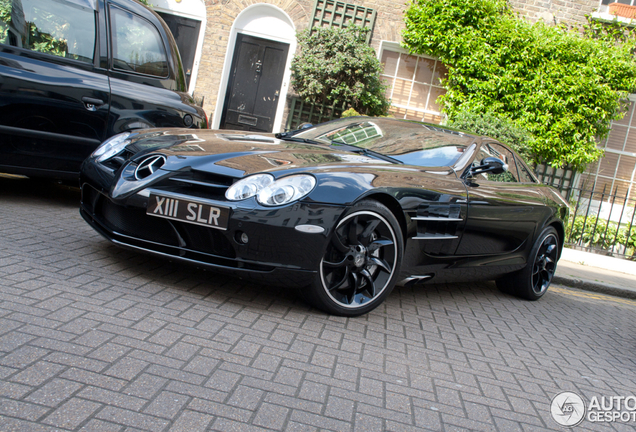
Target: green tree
[562,86]
[336,64]
[494,126]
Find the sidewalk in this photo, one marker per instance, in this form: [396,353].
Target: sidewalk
[598,273]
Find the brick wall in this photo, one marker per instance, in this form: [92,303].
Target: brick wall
[570,12]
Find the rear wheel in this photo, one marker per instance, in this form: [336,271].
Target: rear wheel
[361,262]
[533,281]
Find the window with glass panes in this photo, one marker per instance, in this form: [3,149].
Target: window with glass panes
[603,4]
[413,84]
[616,171]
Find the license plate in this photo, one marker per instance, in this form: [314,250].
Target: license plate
[188,211]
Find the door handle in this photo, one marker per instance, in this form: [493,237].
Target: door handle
[91,104]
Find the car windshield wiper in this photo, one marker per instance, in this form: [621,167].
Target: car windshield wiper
[283,136]
[367,152]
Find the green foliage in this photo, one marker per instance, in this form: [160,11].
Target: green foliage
[612,32]
[5,18]
[336,64]
[560,86]
[37,40]
[44,42]
[349,113]
[497,127]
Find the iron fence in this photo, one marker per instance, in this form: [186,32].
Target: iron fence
[602,222]
[559,178]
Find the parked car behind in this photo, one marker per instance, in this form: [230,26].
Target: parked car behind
[76,72]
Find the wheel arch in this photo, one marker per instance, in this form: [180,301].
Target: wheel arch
[560,229]
[394,207]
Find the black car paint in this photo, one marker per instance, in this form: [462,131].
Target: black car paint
[492,244]
[47,126]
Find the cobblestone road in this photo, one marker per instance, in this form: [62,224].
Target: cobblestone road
[96,338]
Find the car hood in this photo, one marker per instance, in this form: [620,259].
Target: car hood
[240,154]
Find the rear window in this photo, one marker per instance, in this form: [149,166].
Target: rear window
[137,45]
[57,27]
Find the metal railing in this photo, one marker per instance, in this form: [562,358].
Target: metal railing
[602,222]
[559,178]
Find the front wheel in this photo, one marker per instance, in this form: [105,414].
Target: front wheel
[533,281]
[361,262]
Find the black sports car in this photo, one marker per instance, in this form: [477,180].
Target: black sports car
[343,210]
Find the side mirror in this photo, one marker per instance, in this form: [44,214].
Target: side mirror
[490,165]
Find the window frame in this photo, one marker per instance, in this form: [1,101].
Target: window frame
[597,175]
[111,40]
[512,165]
[602,14]
[395,47]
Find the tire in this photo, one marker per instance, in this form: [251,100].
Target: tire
[532,282]
[361,262]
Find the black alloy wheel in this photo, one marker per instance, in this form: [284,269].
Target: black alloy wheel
[545,264]
[361,261]
[534,280]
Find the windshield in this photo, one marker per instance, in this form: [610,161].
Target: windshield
[411,143]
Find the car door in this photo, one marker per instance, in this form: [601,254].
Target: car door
[145,75]
[54,103]
[503,210]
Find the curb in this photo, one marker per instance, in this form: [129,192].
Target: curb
[598,287]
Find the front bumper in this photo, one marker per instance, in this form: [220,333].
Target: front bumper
[275,251]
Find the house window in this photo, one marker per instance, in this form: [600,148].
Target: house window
[626,2]
[616,171]
[622,10]
[413,84]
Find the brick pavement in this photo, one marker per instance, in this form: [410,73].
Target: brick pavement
[96,338]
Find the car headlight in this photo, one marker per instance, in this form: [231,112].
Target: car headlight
[111,146]
[248,187]
[286,190]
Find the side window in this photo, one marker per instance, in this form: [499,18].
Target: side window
[137,45]
[58,27]
[500,152]
[524,174]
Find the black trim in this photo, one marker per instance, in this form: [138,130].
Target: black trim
[49,136]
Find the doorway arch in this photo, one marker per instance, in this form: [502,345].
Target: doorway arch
[265,22]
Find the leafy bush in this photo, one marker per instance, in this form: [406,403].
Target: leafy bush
[562,87]
[336,64]
[601,234]
[496,127]
[349,113]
